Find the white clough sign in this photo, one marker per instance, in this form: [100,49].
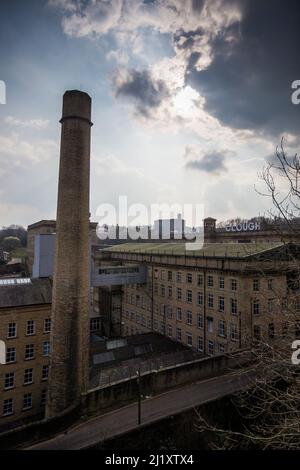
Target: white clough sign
[243,227]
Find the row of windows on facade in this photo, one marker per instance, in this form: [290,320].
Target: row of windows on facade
[11,352]
[256,304]
[140,319]
[28,377]
[8,403]
[30,328]
[210,280]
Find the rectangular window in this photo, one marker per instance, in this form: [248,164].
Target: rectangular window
[46,348]
[10,355]
[233,283]
[12,330]
[43,397]
[162,290]
[189,296]
[163,275]
[221,283]
[271,330]
[178,334]
[256,285]
[221,304]
[95,324]
[256,307]
[27,401]
[45,372]
[200,343]
[8,407]
[222,328]
[28,376]
[211,348]
[210,301]
[9,380]
[233,306]
[270,284]
[189,278]
[210,323]
[199,298]
[179,314]
[270,305]
[200,320]
[257,332]
[210,281]
[179,293]
[189,317]
[221,348]
[189,339]
[170,292]
[170,277]
[47,325]
[29,352]
[234,336]
[30,328]
[170,330]
[178,277]
[200,280]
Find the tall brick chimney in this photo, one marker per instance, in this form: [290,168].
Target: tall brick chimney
[69,361]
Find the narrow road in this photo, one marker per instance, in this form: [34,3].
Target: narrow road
[123,420]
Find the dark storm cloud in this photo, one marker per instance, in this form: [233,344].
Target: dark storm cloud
[142,89]
[255,61]
[211,162]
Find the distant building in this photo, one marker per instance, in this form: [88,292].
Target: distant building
[4,255]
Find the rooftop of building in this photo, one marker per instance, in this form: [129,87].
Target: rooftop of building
[215,250]
[52,223]
[21,292]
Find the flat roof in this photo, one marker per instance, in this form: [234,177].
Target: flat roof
[215,250]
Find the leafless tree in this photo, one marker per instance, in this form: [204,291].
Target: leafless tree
[270,409]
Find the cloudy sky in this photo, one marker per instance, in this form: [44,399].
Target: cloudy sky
[190,97]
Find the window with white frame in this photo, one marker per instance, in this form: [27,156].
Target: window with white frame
[270,305]
[8,407]
[27,401]
[221,304]
[256,285]
[211,347]
[222,328]
[233,283]
[221,348]
[170,292]
[189,317]
[10,355]
[179,314]
[221,283]
[28,376]
[45,372]
[233,306]
[189,296]
[200,279]
[46,348]
[12,330]
[256,307]
[170,332]
[210,323]
[210,301]
[257,332]
[200,320]
[189,339]
[189,278]
[199,298]
[170,276]
[210,281]
[29,352]
[179,293]
[43,397]
[178,334]
[200,343]
[47,325]
[234,335]
[30,328]
[9,380]
[178,276]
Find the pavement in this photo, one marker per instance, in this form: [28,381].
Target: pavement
[153,409]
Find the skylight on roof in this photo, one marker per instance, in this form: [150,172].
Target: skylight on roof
[15,281]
